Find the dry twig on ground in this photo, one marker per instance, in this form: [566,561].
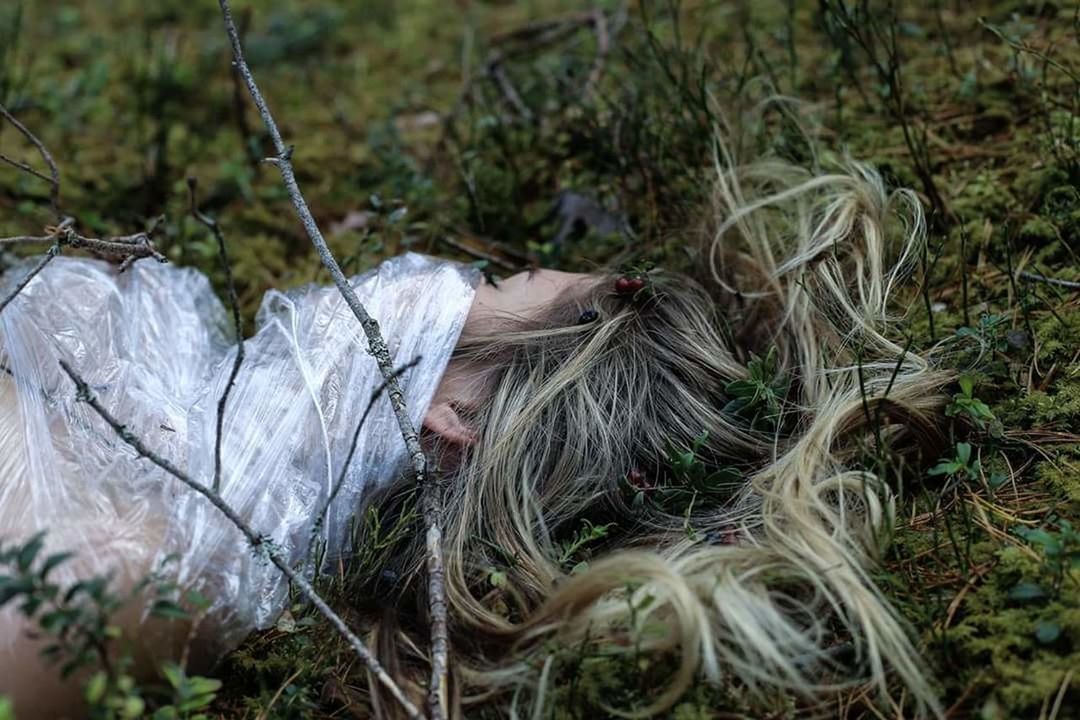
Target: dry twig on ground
[1036,277]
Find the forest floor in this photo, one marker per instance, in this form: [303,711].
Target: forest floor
[480,130]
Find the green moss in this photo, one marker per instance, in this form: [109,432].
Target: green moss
[994,642]
[987,195]
[1038,231]
[1063,477]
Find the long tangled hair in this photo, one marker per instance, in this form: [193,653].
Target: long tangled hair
[758,583]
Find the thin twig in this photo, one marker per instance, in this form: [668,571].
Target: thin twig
[531,38]
[477,253]
[352,446]
[603,47]
[25,167]
[377,347]
[127,248]
[45,260]
[1071,284]
[258,542]
[498,73]
[29,239]
[54,172]
[223,255]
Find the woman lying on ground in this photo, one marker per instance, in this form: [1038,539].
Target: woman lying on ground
[546,399]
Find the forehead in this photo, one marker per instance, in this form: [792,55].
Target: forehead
[543,286]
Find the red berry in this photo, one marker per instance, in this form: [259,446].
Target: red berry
[637,478]
[629,285]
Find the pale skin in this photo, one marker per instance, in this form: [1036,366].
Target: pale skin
[36,688]
[518,297]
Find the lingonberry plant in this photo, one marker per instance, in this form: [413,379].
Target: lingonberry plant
[75,620]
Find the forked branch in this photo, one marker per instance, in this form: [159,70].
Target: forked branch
[257,541]
[54,172]
[124,248]
[430,500]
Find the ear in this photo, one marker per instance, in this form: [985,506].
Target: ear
[443,420]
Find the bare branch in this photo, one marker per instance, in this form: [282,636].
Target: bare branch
[234,304]
[1036,277]
[502,80]
[29,239]
[432,507]
[377,347]
[126,248]
[45,260]
[258,542]
[25,167]
[54,172]
[352,446]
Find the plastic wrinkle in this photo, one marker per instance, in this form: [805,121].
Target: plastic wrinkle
[155,346]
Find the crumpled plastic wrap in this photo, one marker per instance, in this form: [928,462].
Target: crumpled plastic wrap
[156,347]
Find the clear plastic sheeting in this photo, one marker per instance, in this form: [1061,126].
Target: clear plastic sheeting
[156,348]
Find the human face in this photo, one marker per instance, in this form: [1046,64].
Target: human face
[520,297]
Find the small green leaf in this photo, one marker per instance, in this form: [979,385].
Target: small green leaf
[945,467]
[52,562]
[1039,536]
[1047,631]
[1027,591]
[30,550]
[96,687]
[13,587]
[741,388]
[197,600]
[30,605]
[173,674]
[54,621]
[133,707]
[93,587]
[169,610]
[204,686]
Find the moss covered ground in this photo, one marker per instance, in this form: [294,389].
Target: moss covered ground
[482,131]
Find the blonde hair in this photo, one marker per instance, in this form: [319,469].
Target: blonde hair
[754,585]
